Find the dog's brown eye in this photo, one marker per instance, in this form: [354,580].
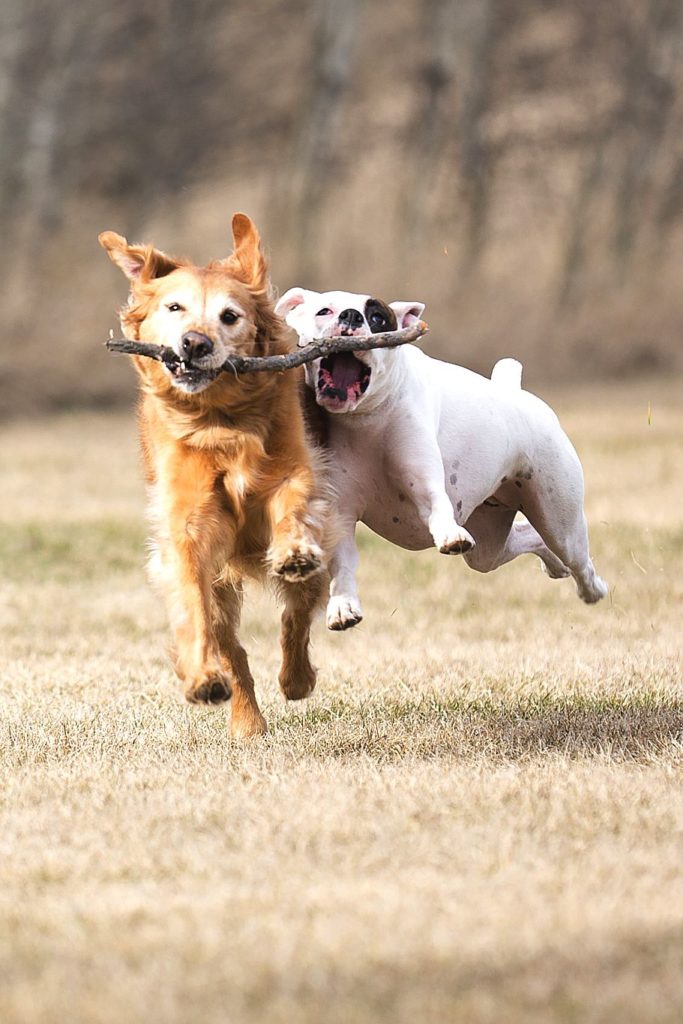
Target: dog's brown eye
[377,319]
[324,312]
[175,307]
[228,316]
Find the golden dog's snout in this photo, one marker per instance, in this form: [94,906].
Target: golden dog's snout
[194,345]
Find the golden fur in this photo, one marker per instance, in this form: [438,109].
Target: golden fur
[236,487]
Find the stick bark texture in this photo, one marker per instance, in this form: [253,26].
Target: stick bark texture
[313,349]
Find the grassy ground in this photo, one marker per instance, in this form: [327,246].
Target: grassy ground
[477,817]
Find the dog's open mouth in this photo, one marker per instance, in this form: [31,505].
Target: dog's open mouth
[342,378]
[191,378]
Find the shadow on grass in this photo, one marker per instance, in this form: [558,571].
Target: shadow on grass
[162,731]
[635,728]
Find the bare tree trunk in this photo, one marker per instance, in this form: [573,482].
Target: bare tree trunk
[20,46]
[12,40]
[476,158]
[334,36]
[669,208]
[590,181]
[34,134]
[432,131]
[649,93]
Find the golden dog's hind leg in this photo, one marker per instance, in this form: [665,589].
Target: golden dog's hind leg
[295,551]
[297,675]
[247,719]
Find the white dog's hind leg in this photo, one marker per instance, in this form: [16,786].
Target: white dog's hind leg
[500,539]
[344,608]
[590,586]
[569,542]
[524,539]
[574,551]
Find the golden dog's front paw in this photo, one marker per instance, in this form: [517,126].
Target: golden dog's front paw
[212,689]
[247,724]
[298,562]
[299,683]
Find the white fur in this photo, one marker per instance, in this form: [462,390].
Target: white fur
[429,443]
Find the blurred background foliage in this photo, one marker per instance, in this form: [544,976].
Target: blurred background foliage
[515,164]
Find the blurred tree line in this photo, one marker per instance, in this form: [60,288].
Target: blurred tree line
[517,164]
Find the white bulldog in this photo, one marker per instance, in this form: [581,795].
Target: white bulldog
[427,453]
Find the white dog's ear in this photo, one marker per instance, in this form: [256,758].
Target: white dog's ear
[290,300]
[407,313]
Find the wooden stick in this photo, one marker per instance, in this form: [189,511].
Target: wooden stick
[251,364]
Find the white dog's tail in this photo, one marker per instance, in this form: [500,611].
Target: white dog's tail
[507,372]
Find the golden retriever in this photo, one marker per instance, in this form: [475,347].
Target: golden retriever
[236,487]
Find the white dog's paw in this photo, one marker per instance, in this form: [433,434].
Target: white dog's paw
[343,613]
[553,567]
[456,542]
[592,589]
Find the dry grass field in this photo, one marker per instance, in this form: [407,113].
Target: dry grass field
[477,817]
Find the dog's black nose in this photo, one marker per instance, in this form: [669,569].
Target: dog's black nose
[195,345]
[351,318]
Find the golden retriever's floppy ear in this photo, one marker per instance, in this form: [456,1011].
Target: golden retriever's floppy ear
[138,262]
[247,260]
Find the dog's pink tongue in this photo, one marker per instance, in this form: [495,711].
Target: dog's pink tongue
[345,371]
